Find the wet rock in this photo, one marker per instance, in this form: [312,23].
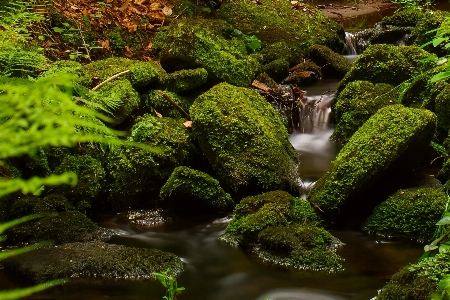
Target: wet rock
[395,136]
[356,104]
[193,191]
[93,259]
[394,36]
[409,214]
[277,69]
[333,65]
[244,140]
[302,78]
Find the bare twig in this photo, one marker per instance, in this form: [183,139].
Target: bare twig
[109,79]
[442,156]
[84,42]
[174,104]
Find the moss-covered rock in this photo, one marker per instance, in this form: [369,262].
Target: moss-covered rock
[70,67]
[277,21]
[390,36]
[442,106]
[404,18]
[277,69]
[387,64]
[279,50]
[30,205]
[304,74]
[333,65]
[356,104]
[141,73]
[393,137]
[184,80]
[243,139]
[137,174]
[444,173]
[91,177]
[256,213]
[195,42]
[154,100]
[118,97]
[92,259]
[408,214]
[193,190]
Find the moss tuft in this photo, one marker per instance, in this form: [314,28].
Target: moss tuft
[194,190]
[244,139]
[277,69]
[394,136]
[333,65]
[408,214]
[184,80]
[404,18]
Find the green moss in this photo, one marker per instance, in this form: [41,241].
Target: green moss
[423,31]
[404,17]
[195,42]
[37,164]
[118,94]
[442,105]
[29,205]
[155,101]
[116,39]
[408,214]
[280,50]
[243,139]
[92,259]
[395,135]
[184,80]
[91,177]
[256,213]
[193,190]
[70,67]
[387,64]
[444,173]
[10,39]
[277,69]
[141,73]
[356,104]
[136,174]
[267,80]
[276,21]
[408,285]
[333,65]
[304,74]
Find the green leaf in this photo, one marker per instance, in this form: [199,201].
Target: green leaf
[444,248]
[440,76]
[438,40]
[58,30]
[429,248]
[445,220]
[24,292]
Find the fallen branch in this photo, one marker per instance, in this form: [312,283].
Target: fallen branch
[109,79]
[174,104]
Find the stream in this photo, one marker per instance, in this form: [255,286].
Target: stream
[215,270]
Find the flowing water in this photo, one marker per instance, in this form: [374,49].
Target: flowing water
[215,270]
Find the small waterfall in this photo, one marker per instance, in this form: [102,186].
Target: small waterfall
[356,42]
[350,44]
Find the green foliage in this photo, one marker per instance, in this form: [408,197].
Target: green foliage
[170,283]
[395,134]
[20,63]
[252,43]
[244,139]
[194,186]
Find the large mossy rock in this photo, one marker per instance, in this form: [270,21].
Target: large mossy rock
[184,80]
[90,184]
[442,107]
[404,18]
[356,104]
[193,190]
[92,259]
[193,42]
[393,138]
[274,21]
[244,139]
[390,64]
[70,67]
[333,64]
[285,230]
[136,173]
[409,214]
[154,100]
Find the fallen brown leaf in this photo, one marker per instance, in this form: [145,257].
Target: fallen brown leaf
[128,52]
[188,124]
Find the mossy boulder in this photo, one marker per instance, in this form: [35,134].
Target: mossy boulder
[300,247]
[119,97]
[154,100]
[141,73]
[244,139]
[184,80]
[333,65]
[30,205]
[304,74]
[390,64]
[193,190]
[137,174]
[442,108]
[392,35]
[408,214]
[356,104]
[70,67]
[277,21]
[285,231]
[92,259]
[404,18]
[256,213]
[279,50]
[91,180]
[195,42]
[277,69]
[395,136]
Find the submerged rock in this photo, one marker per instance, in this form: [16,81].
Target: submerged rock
[244,139]
[192,190]
[356,104]
[395,136]
[286,231]
[409,214]
[93,259]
